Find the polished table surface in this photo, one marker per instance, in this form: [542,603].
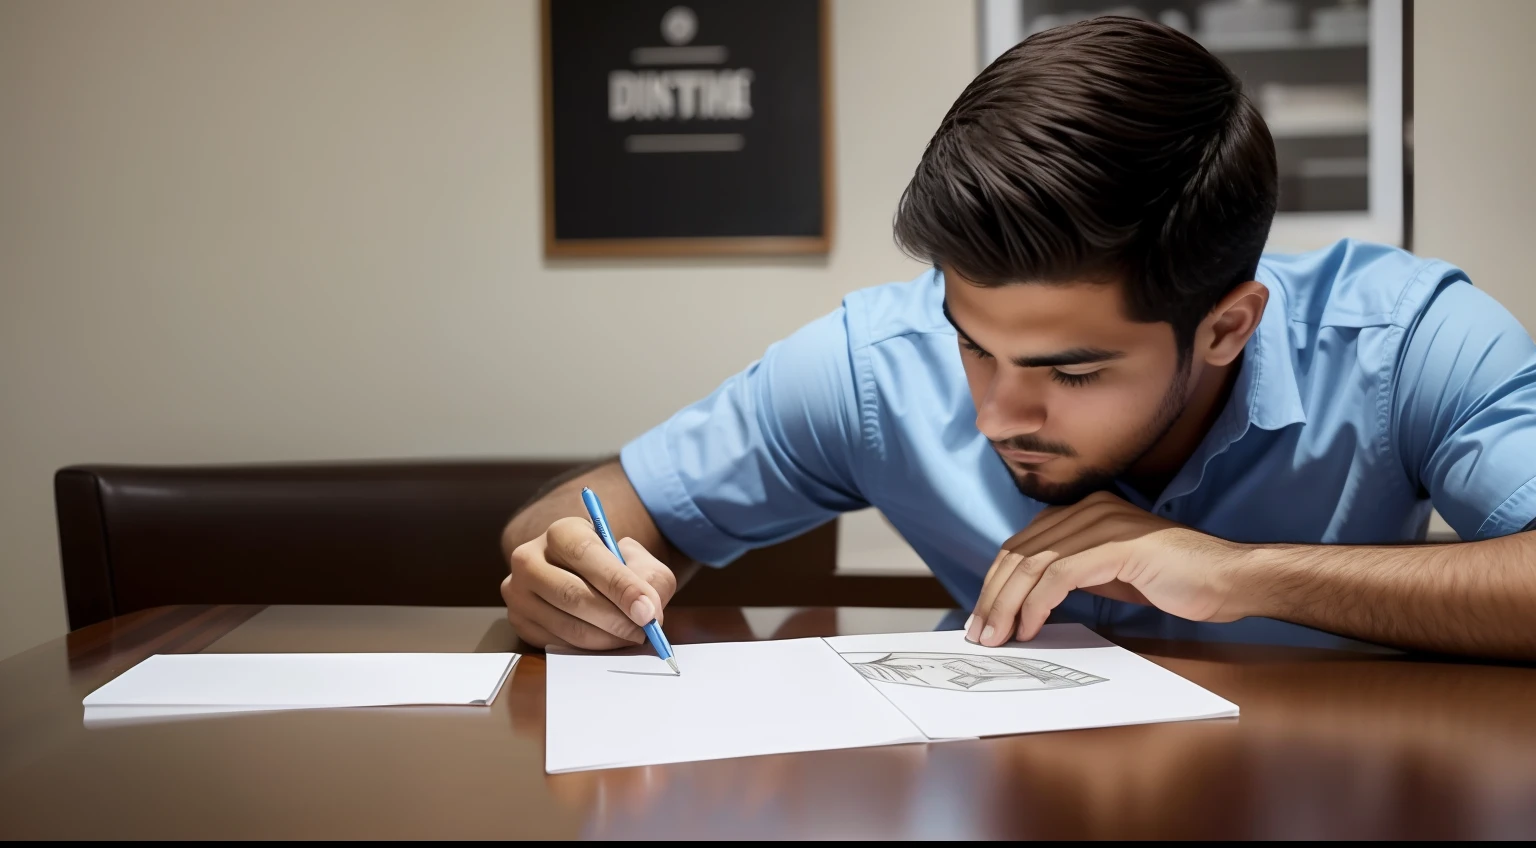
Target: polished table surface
[1330,744]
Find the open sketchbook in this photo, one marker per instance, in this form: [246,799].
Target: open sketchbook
[740,699]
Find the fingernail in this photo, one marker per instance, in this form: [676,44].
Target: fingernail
[986,634]
[970,628]
[642,611]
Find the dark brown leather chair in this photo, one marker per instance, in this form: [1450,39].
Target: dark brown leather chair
[408,533]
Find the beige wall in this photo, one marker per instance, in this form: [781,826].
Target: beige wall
[1474,136]
[282,229]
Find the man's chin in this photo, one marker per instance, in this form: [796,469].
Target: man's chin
[1036,487]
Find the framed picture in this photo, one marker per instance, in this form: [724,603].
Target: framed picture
[1330,78]
[694,128]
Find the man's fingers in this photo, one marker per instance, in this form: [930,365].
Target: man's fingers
[534,635]
[650,569]
[564,591]
[972,627]
[567,629]
[525,611]
[1089,568]
[1004,615]
[1023,544]
[997,561]
[575,545]
[1058,532]
[1043,522]
[1074,532]
[989,591]
[1050,517]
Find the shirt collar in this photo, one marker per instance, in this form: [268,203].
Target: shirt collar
[1266,383]
[1265,395]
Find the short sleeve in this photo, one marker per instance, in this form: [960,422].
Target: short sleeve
[1464,406]
[768,455]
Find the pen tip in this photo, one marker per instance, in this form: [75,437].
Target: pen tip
[672,661]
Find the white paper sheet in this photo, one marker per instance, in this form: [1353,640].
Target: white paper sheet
[1065,679]
[734,699]
[192,684]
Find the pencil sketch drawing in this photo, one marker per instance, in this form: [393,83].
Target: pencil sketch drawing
[968,672]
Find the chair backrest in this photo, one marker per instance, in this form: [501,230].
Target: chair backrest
[409,533]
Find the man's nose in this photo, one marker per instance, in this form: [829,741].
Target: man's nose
[1009,409]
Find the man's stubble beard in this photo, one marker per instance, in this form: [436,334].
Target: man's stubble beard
[1103,478]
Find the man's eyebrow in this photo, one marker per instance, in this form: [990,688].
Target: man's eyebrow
[1071,356]
[944,304]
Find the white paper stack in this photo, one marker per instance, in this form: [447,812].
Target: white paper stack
[750,698]
[194,684]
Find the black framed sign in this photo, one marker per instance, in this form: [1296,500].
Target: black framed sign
[700,127]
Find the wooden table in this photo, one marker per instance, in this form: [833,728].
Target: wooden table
[1330,744]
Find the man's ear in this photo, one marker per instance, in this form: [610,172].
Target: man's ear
[1223,334]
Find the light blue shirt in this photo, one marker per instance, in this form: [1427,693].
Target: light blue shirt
[1377,384]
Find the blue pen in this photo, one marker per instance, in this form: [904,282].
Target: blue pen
[653,632]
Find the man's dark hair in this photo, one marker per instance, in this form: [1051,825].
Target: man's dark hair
[1108,150]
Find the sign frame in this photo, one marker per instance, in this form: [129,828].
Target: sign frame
[557,248]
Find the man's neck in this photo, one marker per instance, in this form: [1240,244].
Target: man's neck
[1157,467]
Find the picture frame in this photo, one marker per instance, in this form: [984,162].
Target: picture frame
[640,178]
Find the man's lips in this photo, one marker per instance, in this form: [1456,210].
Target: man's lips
[1026,457]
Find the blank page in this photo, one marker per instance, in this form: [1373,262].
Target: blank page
[307,680]
[734,699]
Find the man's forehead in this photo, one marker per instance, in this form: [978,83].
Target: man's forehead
[1036,307]
[1050,324]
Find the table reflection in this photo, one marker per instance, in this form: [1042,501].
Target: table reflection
[1330,744]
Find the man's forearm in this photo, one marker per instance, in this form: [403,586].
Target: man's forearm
[626,514]
[1469,598]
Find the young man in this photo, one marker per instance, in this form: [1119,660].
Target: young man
[1102,402]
